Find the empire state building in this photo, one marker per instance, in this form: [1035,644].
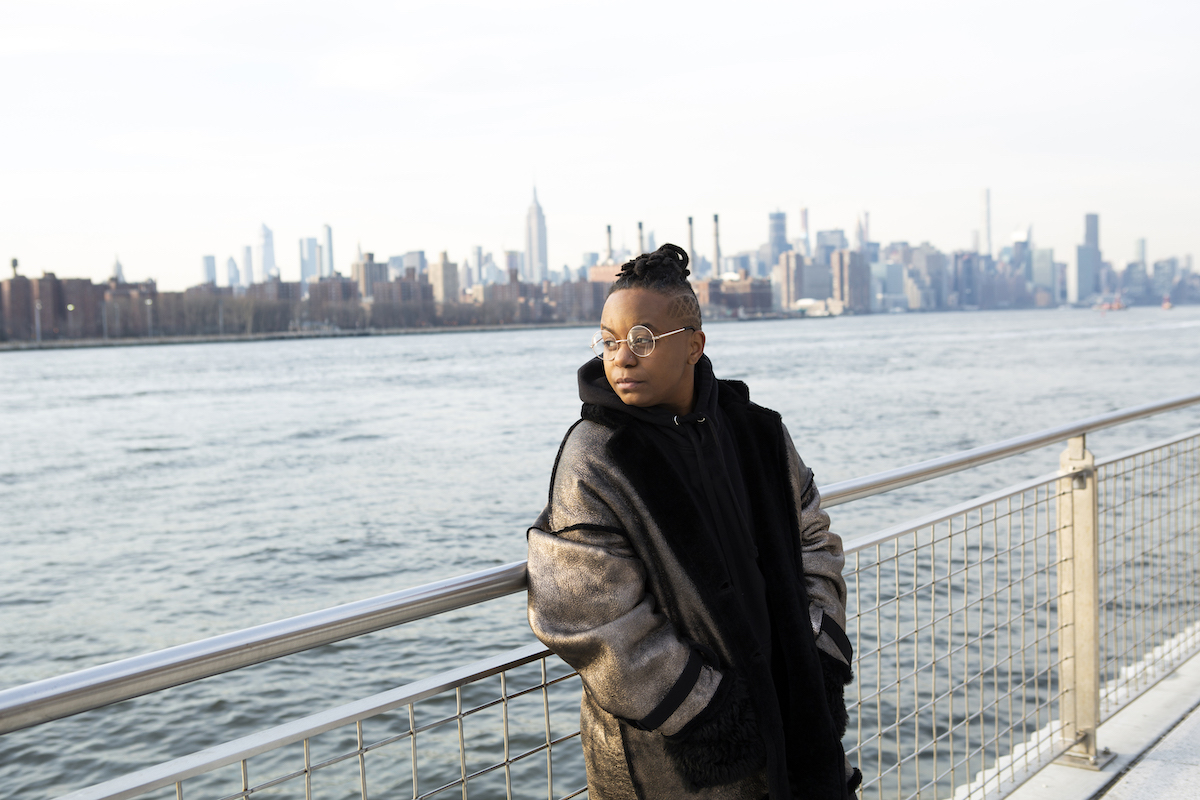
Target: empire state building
[537,265]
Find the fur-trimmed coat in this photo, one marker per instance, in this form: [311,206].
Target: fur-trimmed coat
[696,683]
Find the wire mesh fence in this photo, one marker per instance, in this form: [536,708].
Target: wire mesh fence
[956,630]
[1149,515]
[958,690]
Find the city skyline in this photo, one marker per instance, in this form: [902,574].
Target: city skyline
[119,139]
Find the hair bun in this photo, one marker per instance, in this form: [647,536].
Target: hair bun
[668,261]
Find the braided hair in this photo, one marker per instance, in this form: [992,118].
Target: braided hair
[664,271]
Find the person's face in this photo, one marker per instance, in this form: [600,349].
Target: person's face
[666,377]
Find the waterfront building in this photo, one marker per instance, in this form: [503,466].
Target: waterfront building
[851,281]
[209,269]
[443,275]
[366,273]
[333,289]
[787,280]
[537,263]
[726,297]
[267,246]
[16,306]
[273,289]
[965,275]
[327,254]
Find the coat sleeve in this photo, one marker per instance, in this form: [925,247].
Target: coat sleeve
[588,602]
[823,557]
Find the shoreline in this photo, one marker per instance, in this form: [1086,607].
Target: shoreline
[154,341]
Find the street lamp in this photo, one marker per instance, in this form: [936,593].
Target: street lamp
[149,329]
[37,320]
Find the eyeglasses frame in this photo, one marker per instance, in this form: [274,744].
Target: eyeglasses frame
[628,340]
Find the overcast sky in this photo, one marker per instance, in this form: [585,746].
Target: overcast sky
[165,131]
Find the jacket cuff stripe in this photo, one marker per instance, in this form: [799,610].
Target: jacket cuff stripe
[674,699]
[838,636]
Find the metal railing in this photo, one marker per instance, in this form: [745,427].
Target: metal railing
[979,654]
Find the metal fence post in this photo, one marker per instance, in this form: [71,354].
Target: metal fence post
[1078,605]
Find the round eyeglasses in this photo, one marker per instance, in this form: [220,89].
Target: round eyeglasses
[640,340]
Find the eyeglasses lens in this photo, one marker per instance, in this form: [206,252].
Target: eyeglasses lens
[640,341]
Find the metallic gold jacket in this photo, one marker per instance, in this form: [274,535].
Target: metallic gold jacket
[591,601]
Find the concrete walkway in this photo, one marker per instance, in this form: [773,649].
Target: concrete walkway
[1170,769]
[1156,742]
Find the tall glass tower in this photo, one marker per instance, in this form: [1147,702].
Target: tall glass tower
[268,253]
[537,264]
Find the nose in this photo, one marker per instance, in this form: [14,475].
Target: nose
[624,356]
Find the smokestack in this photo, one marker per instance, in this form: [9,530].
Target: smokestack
[608,258]
[691,246]
[716,247]
[641,240]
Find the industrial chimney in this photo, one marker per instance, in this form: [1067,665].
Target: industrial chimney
[716,247]
[691,246]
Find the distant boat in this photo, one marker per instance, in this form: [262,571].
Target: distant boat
[1166,304]
[1114,304]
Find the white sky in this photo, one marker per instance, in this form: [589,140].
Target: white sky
[164,131]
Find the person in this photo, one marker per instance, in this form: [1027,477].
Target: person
[684,567]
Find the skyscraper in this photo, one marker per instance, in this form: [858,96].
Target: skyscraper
[210,269]
[268,254]
[443,274]
[232,273]
[309,266]
[777,242]
[536,262]
[248,265]
[851,280]
[804,233]
[327,254]
[1091,230]
[1083,277]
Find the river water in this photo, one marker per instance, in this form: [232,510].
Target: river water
[151,496]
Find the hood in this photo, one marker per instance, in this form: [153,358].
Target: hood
[595,390]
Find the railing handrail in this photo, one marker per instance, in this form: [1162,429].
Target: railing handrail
[104,684]
[888,480]
[87,689]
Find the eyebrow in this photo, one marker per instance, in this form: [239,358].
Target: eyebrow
[653,328]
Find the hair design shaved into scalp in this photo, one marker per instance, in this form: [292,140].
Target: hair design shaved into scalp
[664,271]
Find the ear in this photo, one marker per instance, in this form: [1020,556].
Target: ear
[696,347]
